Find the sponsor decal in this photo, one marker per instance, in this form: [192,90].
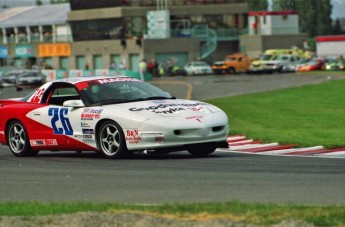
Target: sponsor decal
[88,116]
[83,136]
[60,122]
[36,97]
[197,108]
[88,131]
[94,111]
[132,136]
[170,108]
[119,79]
[197,118]
[43,142]
[85,125]
[87,136]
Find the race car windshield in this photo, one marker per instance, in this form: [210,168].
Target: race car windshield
[120,92]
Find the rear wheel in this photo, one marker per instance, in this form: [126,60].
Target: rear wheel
[201,150]
[18,140]
[111,140]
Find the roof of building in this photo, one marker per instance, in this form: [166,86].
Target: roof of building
[34,15]
[273,13]
[333,38]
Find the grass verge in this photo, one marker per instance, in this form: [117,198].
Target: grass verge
[262,214]
[308,116]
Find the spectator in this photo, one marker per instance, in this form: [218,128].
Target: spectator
[112,65]
[155,70]
[122,65]
[142,69]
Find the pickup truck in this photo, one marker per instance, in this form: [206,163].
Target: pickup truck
[279,62]
[232,64]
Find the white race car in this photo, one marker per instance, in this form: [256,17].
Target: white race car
[114,116]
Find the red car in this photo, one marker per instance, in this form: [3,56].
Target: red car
[312,65]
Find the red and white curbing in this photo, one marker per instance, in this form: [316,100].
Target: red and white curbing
[241,144]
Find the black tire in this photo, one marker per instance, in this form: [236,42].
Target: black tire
[18,140]
[19,88]
[111,140]
[280,70]
[231,70]
[201,150]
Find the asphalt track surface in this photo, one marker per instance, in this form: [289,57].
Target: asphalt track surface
[178,177]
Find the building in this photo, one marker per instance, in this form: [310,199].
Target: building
[272,30]
[93,34]
[32,35]
[330,45]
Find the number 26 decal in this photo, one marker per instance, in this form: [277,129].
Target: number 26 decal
[59,117]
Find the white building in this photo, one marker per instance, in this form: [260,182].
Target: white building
[330,45]
[273,22]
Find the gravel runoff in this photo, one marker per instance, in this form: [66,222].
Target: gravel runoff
[107,219]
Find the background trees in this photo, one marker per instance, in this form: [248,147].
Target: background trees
[315,15]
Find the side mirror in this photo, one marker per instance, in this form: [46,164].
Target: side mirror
[73,103]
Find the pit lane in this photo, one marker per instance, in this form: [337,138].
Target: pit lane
[178,177]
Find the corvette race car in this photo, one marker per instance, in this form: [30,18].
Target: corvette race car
[114,116]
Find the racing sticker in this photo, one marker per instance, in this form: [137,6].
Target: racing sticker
[43,142]
[170,108]
[36,97]
[88,131]
[197,118]
[85,125]
[132,136]
[197,108]
[60,122]
[92,111]
[89,116]
[118,79]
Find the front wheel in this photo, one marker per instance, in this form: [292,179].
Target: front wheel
[111,140]
[231,70]
[18,140]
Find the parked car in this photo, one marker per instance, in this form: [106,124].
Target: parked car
[3,70]
[1,82]
[292,66]
[334,64]
[198,68]
[23,78]
[177,71]
[9,78]
[257,65]
[113,116]
[279,61]
[311,65]
[28,79]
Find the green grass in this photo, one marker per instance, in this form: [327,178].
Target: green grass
[262,214]
[308,116]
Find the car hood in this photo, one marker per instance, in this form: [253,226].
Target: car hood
[167,108]
[273,62]
[259,62]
